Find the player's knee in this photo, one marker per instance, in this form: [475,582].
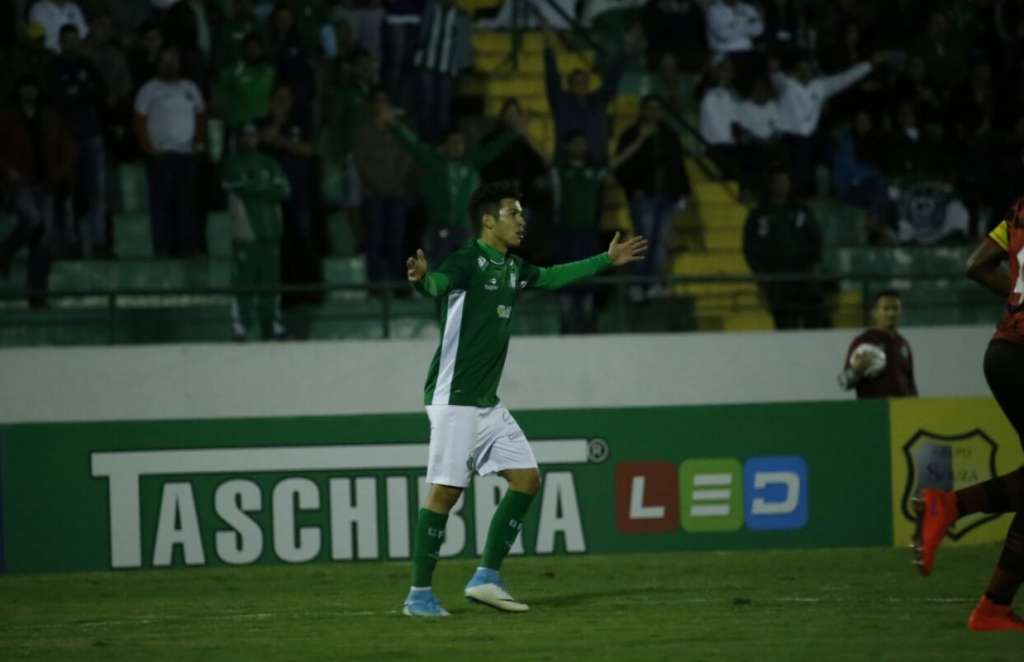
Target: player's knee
[527,482]
[442,498]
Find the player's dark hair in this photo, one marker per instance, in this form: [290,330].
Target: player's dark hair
[895,294]
[487,200]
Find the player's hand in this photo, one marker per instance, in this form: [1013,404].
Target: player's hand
[624,252]
[860,363]
[416,267]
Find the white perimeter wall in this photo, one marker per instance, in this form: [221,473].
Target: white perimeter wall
[329,378]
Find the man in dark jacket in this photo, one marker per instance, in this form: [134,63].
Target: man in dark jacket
[37,157]
[782,237]
[655,182]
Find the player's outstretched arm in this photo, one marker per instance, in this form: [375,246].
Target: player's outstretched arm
[431,283]
[619,253]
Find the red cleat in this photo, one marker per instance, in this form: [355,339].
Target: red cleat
[990,617]
[936,512]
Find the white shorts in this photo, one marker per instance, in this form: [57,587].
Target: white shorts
[468,440]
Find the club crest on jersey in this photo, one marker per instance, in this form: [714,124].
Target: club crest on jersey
[481,262]
[948,462]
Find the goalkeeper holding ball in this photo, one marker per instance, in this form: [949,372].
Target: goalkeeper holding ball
[879,363]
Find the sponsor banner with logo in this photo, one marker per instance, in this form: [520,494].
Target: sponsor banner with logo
[235,492]
[949,444]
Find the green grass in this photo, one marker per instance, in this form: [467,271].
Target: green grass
[859,604]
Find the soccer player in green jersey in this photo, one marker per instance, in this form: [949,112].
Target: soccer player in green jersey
[470,430]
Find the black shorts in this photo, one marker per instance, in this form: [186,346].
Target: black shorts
[1004,372]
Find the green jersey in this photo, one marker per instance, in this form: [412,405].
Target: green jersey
[245,90]
[256,186]
[580,195]
[480,287]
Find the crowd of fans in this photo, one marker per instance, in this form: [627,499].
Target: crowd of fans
[909,109]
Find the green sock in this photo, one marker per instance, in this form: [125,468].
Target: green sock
[505,526]
[429,536]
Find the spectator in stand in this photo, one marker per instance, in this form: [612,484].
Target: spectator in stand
[802,97]
[857,178]
[348,109]
[523,162]
[170,124]
[917,85]
[444,51]
[400,34]
[37,160]
[288,136]
[245,87]
[384,167]
[78,91]
[579,109]
[676,27]
[862,369]
[673,87]
[30,57]
[758,114]
[236,31]
[913,151]
[782,237]
[851,50]
[192,25]
[732,27]
[255,185]
[579,196]
[940,52]
[656,185]
[53,15]
[450,174]
[292,61]
[145,58]
[107,57]
[310,18]
[719,108]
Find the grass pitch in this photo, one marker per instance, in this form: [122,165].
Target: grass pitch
[860,604]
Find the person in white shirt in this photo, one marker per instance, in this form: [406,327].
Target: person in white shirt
[802,97]
[55,14]
[732,26]
[719,105]
[758,115]
[170,123]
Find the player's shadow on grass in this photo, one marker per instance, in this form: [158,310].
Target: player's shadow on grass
[575,599]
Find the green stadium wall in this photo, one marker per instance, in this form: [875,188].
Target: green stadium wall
[125,495]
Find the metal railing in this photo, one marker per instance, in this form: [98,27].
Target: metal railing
[389,310]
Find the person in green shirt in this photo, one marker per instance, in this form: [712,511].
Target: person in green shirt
[244,89]
[236,30]
[578,183]
[450,174]
[471,431]
[255,185]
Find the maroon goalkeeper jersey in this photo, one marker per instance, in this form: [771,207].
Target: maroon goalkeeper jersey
[897,380]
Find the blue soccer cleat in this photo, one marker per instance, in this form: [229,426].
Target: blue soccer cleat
[423,602]
[487,588]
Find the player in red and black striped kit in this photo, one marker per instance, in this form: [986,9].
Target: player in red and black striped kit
[1004,371]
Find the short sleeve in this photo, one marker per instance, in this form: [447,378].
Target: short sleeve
[1001,236]
[197,97]
[143,99]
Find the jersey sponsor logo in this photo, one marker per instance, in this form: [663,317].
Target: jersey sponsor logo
[948,462]
[712,495]
[492,284]
[504,312]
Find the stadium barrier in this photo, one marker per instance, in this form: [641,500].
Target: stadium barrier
[123,495]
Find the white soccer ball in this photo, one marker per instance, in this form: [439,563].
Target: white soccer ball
[876,358]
